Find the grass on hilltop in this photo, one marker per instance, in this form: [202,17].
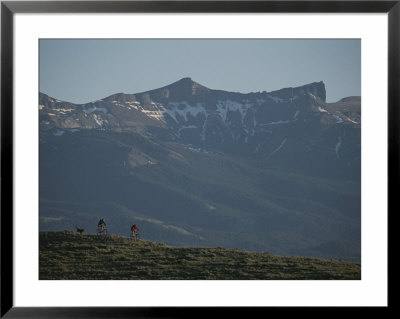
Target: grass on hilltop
[71,256]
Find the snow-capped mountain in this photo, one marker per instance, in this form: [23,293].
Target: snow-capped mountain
[291,125]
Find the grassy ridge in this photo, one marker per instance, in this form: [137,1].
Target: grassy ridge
[68,255]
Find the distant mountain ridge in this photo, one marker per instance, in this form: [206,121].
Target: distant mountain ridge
[262,124]
[173,100]
[186,88]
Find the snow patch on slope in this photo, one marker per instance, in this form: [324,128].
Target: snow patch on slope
[296,115]
[186,127]
[94,109]
[223,107]
[58,133]
[174,109]
[279,147]
[338,144]
[276,123]
[338,118]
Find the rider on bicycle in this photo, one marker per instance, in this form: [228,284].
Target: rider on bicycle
[101,224]
[134,230]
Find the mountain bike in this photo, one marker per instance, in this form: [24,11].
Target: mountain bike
[101,230]
[135,235]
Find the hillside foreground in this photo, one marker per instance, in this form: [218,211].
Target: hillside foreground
[72,256]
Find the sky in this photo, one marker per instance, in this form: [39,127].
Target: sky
[85,70]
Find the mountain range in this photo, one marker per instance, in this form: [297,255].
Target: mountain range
[266,171]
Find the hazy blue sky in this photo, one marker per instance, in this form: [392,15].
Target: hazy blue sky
[82,71]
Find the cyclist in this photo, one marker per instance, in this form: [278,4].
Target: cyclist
[134,230]
[101,224]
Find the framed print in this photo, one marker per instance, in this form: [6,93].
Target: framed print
[165,157]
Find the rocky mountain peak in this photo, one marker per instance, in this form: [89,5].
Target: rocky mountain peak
[184,89]
[315,89]
[187,84]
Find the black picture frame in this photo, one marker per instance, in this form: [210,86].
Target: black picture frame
[9,8]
